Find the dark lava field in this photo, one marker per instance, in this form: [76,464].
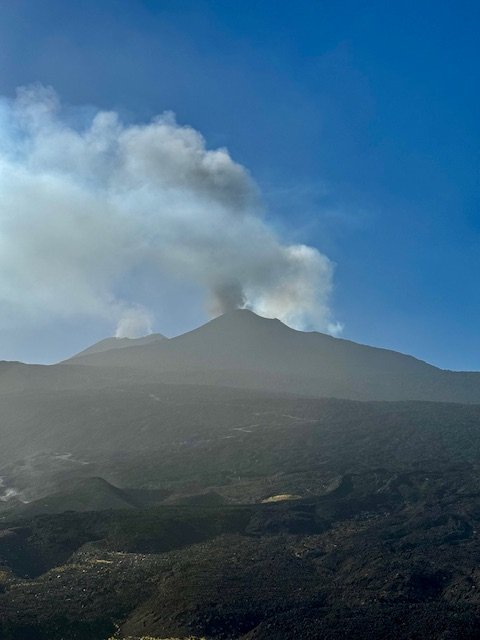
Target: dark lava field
[310,519]
[210,487]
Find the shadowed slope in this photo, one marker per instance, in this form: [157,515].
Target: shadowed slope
[89,494]
[120,343]
[241,349]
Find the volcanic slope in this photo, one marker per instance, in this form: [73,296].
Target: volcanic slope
[241,349]
[120,343]
[87,494]
[385,555]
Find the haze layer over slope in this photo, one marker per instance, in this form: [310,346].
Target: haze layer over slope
[121,343]
[241,349]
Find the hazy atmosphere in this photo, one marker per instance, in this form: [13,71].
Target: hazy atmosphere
[239,320]
[306,141]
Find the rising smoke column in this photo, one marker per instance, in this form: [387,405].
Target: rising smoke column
[83,206]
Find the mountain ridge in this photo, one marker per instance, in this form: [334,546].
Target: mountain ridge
[247,314]
[245,351]
[108,344]
[241,349]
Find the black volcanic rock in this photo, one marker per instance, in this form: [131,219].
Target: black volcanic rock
[88,494]
[244,513]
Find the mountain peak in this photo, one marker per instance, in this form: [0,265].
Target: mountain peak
[246,318]
[107,344]
[243,349]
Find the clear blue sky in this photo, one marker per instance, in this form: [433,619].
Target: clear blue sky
[358,120]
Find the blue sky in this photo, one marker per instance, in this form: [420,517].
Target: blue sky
[358,121]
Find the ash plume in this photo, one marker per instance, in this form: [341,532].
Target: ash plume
[228,296]
[83,206]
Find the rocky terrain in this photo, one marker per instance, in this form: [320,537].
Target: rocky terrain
[362,522]
[135,508]
[380,556]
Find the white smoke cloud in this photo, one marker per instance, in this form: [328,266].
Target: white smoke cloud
[134,323]
[83,207]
